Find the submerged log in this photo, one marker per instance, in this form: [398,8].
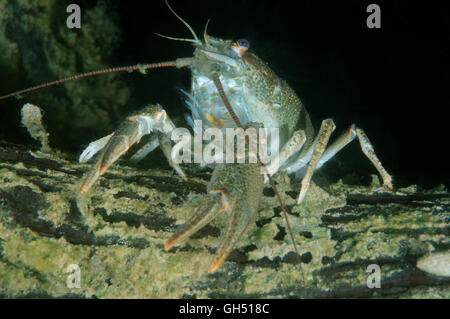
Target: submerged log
[114,237]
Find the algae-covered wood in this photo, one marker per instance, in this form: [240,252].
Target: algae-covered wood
[116,236]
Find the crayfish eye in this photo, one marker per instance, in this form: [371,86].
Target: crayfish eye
[241,46]
[243,43]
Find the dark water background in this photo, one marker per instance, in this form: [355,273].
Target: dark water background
[393,82]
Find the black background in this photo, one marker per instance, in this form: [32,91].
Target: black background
[277,307]
[393,82]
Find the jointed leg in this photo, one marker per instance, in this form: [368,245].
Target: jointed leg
[330,151]
[319,145]
[337,145]
[366,147]
[368,150]
[292,146]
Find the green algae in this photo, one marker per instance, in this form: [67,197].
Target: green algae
[118,242]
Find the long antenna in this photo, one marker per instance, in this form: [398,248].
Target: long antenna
[204,32]
[272,183]
[87,74]
[177,39]
[184,22]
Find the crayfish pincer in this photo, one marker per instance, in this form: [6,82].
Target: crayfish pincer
[234,190]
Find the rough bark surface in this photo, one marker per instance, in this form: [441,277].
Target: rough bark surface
[116,236]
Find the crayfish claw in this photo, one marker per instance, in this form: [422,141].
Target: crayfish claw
[116,146]
[93,148]
[152,119]
[208,209]
[234,189]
